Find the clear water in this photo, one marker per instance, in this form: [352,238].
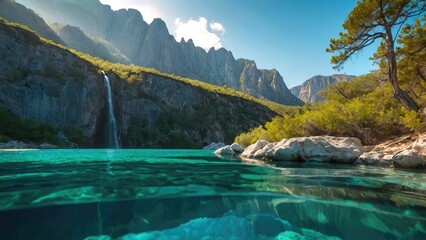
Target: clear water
[192,194]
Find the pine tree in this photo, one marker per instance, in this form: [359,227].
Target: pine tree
[369,21]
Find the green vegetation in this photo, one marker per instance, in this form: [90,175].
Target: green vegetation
[13,128]
[365,107]
[75,135]
[362,108]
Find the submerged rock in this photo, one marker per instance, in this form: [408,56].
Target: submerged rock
[410,158]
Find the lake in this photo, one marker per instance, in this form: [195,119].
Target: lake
[193,194]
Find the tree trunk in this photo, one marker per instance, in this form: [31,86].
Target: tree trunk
[398,93]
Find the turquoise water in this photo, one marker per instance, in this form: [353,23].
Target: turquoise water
[192,194]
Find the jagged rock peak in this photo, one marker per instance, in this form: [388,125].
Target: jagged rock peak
[159,24]
[153,46]
[247,62]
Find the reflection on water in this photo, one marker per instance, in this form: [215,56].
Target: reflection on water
[154,194]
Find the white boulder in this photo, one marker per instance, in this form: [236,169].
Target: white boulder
[252,149]
[318,149]
[409,158]
[225,151]
[378,158]
[420,144]
[331,149]
[261,153]
[288,150]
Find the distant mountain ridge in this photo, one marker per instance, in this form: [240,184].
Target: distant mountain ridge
[308,91]
[76,39]
[151,45]
[18,13]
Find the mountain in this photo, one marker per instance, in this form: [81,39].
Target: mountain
[18,13]
[76,39]
[308,91]
[48,83]
[151,45]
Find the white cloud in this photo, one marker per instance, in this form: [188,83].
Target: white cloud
[199,32]
[217,27]
[149,11]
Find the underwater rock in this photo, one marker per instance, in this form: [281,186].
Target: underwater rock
[270,226]
[260,226]
[409,159]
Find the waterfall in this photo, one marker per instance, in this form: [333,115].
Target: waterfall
[112,136]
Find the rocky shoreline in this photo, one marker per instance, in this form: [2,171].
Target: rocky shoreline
[404,152]
[13,144]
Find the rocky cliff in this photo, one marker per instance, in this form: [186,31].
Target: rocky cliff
[151,45]
[308,91]
[43,82]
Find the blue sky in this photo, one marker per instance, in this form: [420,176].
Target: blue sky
[288,35]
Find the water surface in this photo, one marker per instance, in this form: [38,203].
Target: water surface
[192,194]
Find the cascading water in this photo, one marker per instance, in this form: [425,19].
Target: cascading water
[112,136]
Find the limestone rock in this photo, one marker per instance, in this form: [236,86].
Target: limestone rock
[409,159]
[225,151]
[378,158]
[319,149]
[261,153]
[286,150]
[420,144]
[331,149]
[237,148]
[252,149]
